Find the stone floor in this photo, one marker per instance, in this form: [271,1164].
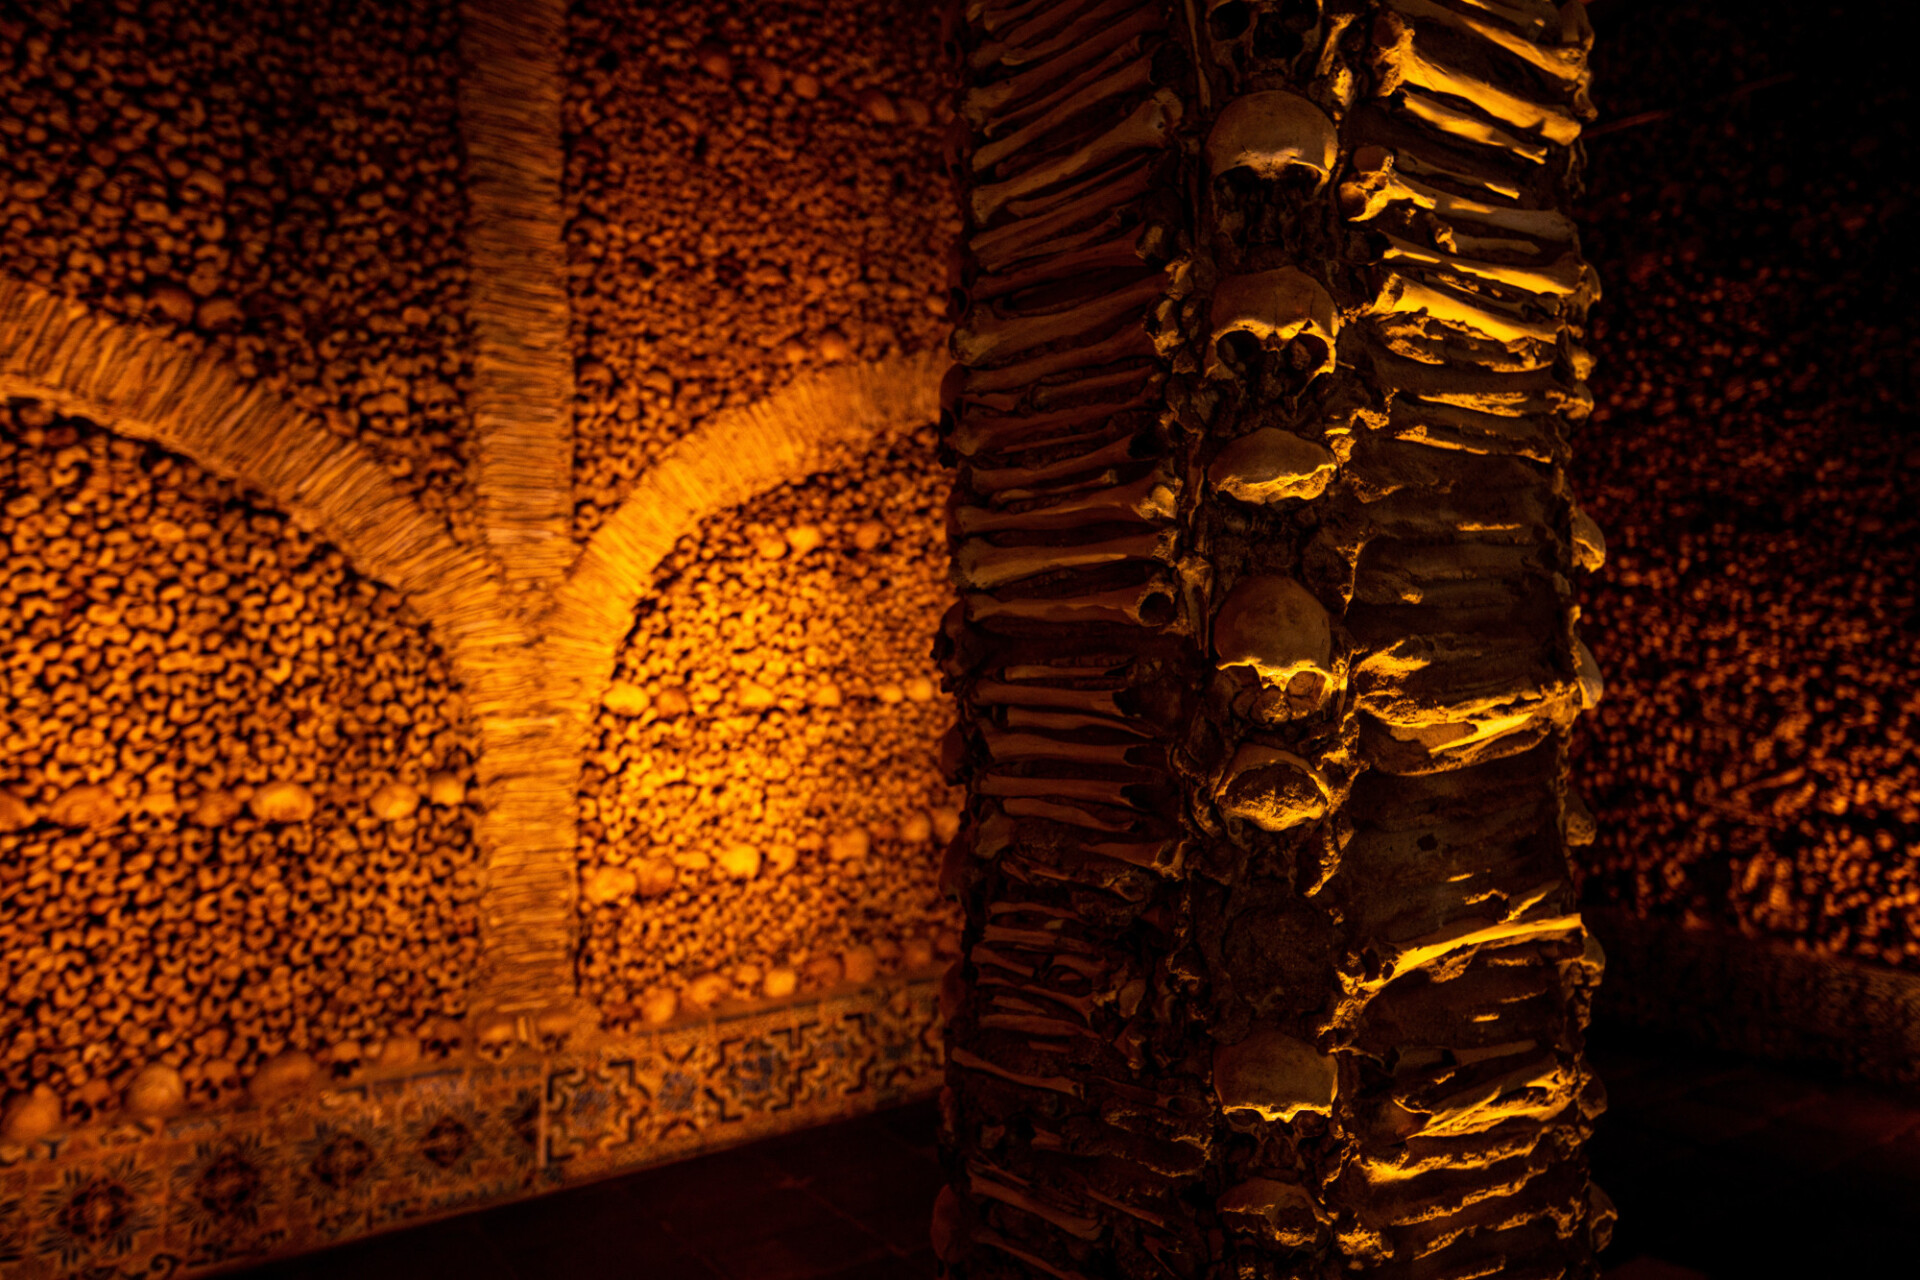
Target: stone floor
[1723,1169]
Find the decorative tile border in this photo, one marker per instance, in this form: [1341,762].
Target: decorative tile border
[1758,997]
[205,1192]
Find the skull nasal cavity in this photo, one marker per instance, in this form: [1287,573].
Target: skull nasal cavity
[1274,39]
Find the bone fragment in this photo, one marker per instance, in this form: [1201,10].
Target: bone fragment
[1043,37]
[1587,672]
[282,1077]
[1468,127]
[1589,544]
[1566,64]
[1283,1212]
[1272,465]
[1121,251]
[155,1090]
[1087,701]
[1041,787]
[1378,184]
[1401,62]
[1150,127]
[282,802]
[1555,280]
[1003,747]
[1471,936]
[1002,104]
[991,336]
[31,1116]
[998,1187]
[980,565]
[1003,480]
[974,1062]
[1066,721]
[85,807]
[1148,605]
[1472,314]
[1275,790]
[1130,343]
[1093,212]
[1276,626]
[1144,501]
[1126,78]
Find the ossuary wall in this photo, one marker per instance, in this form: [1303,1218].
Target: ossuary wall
[755,198]
[1754,770]
[234,802]
[244,792]
[283,184]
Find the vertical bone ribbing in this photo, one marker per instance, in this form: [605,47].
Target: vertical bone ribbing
[522,394]
[1267,345]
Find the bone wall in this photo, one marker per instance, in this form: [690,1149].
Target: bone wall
[280,182]
[1271,351]
[754,192]
[234,810]
[279,195]
[1753,771]
[755,195]
[762,808]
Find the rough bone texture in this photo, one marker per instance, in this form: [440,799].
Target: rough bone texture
[760,797]
[204,702]
[285,183]
[1271,961]
[753,195]
[1756,767]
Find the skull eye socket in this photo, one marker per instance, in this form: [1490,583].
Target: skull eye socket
[1296,181]
[1170,64]
[1230,20]
[1307,352]
[1238,348]
[1157,610]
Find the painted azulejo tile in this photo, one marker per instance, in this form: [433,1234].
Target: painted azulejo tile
[227,1199]
[333,1168]
[98,1214]
[599,1114]
[210,1190]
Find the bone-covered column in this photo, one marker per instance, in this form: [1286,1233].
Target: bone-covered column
[1267,349]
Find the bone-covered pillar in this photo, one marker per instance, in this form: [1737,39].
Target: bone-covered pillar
[1267,346]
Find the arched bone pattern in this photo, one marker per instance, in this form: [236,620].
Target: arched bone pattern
[1268,352]
[529,685]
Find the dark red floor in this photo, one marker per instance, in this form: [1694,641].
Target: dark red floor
[1722,1169]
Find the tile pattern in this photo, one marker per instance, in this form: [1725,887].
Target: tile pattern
[1724,1169]
[210,1191]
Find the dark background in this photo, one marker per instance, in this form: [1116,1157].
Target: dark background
[1753,769]
[1750,209]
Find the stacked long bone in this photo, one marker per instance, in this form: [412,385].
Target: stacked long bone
[1467,670]
[1267,350]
